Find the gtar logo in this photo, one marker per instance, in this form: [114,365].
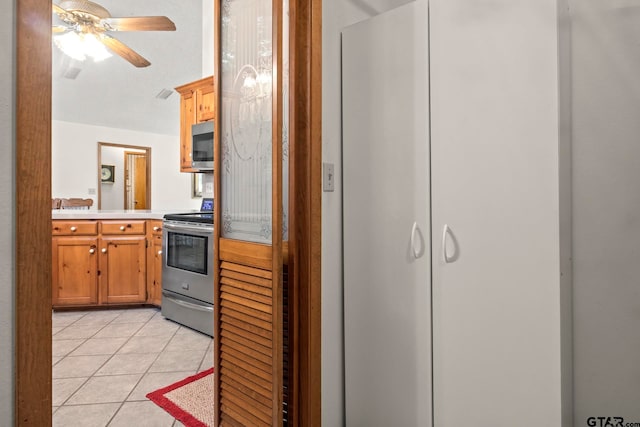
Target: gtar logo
[605,422]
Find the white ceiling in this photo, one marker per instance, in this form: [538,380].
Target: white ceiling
[113,92]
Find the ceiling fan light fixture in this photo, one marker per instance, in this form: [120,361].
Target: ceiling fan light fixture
[94,48]
[79,46]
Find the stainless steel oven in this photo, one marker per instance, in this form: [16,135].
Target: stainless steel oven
[187,270]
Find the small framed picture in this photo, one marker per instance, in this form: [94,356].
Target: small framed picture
[108,174]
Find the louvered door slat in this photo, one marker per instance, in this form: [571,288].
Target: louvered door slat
[227,421]
[238,292]
[241,415]
[266,308]
[251,271]
[247,350]
[257,282]
[245,361]
[248,335]
[246,310]
[232,384]
[242,400]
[239,381]
[247,342]
[235,321]
[245,318]
[249,375]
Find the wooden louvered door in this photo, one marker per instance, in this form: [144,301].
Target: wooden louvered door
[248,319]
[250,337]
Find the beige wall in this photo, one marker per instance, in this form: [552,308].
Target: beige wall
[606,208]
[74,164]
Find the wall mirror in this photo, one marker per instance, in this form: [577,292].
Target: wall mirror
[124,174]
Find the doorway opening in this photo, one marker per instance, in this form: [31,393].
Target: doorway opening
[135,180]
[124,176]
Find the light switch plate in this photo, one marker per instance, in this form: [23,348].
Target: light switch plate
[328,177]
[91,191]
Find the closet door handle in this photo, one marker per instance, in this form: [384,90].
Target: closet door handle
[416,252]
[447,259]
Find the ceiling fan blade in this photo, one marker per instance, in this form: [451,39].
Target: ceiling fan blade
[59,29]
[124,51]
[57,9]
[139,23]
[62,13]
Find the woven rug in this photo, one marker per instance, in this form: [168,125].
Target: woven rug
[190,400]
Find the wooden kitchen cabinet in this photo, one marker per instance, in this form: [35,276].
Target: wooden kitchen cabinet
[196,106]
[123,269]
[154,264]
[75,271]
[106,268]
[204,102]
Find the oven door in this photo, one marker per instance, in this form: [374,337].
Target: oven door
[187,254]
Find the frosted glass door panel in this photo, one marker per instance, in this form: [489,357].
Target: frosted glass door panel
[246,115]
[387,305]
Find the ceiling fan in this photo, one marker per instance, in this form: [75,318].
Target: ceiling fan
[88,22]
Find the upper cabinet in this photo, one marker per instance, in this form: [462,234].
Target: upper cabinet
[196,106]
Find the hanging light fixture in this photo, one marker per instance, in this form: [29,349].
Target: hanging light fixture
[80,45]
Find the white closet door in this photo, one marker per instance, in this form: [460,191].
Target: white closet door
[496,200]
[387,304]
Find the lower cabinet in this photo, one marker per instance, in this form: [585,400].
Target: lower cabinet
[106,263]
[123,269]
[154,264]
[75,271]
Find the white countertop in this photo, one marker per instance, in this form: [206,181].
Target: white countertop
[113,214]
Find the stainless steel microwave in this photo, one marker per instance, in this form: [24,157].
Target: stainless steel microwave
[202,146]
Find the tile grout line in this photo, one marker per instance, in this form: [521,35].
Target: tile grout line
[142,376]
[107,360]
[68,355]
[144,324]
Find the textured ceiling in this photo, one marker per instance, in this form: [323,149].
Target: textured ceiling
[113,92]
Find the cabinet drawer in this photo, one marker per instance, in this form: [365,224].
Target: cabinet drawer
[123,227]
[156,228]
[74,228]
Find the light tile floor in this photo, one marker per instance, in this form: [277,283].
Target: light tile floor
[105,362]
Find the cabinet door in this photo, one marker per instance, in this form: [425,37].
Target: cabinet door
[387,304]
[495,196]
[154,271]
[187,118]
[123,269]
[204,101]
[75,267]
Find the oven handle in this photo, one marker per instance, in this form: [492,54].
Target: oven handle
[185,227]
[188,304]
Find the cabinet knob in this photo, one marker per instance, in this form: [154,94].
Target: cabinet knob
[159,252]
[157,228]
[74,228]
[104,250]
[92,250]
[122,228]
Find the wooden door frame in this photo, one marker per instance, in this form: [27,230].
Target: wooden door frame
[147,153]
[32,343]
